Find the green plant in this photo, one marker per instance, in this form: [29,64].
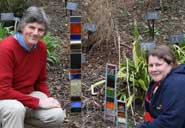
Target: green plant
[134,71]
[5,31]
[52,43]
[179,53]
[156,31]
[2,32]
[133,74]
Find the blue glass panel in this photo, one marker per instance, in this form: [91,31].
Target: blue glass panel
[75,19]
[75,104]
[75,76]
[75,37]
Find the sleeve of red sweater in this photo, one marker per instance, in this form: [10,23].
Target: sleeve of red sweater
[6,80]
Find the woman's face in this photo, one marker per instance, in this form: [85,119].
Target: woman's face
[158,68]
[32,33]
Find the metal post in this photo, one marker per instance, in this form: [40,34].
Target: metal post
[153,32]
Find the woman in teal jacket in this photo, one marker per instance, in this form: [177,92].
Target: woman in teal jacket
[165,98]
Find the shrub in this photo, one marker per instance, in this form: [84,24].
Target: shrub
[179,52]
[52,43]
[134,71]
[5,31]
[98,12]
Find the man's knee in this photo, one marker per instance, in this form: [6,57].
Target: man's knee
[13,108]
[59,116]
[55,117]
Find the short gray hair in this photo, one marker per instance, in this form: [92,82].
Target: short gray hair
[34,14]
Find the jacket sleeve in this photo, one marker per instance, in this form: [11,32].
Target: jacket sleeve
[173,102]
[6,81]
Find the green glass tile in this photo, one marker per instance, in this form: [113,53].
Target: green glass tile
[75,110]
[110,92]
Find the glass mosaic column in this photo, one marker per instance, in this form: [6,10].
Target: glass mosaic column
[110,93]
[122,121]
[75,65]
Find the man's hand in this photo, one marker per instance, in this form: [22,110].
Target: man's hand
[49,103]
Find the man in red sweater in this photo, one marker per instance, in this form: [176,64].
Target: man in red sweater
[24,95]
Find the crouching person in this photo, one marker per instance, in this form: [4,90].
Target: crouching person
[24,95]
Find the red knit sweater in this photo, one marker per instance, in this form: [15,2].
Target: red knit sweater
[22,72]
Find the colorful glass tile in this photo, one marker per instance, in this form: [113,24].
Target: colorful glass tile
[75,76]
[110,81]
[74,19]
[75,37]
[75,42]
[75,28]
[75,104]
[75,98]
[110,105]
[75,61]
[75,48]
[75,87]
[110,92]
[76,110]
[110,99]
[75,71]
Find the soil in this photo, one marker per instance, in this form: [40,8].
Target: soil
[93,68]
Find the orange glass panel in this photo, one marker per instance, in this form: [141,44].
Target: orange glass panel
[75,28]
[121,114]
[75,71]
[111,67]
[110,105]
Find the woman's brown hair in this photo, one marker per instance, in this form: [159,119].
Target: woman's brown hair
[164,52]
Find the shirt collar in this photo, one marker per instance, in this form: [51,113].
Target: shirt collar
[19,38]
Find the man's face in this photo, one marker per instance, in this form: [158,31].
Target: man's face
[32,33]
[158,68]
